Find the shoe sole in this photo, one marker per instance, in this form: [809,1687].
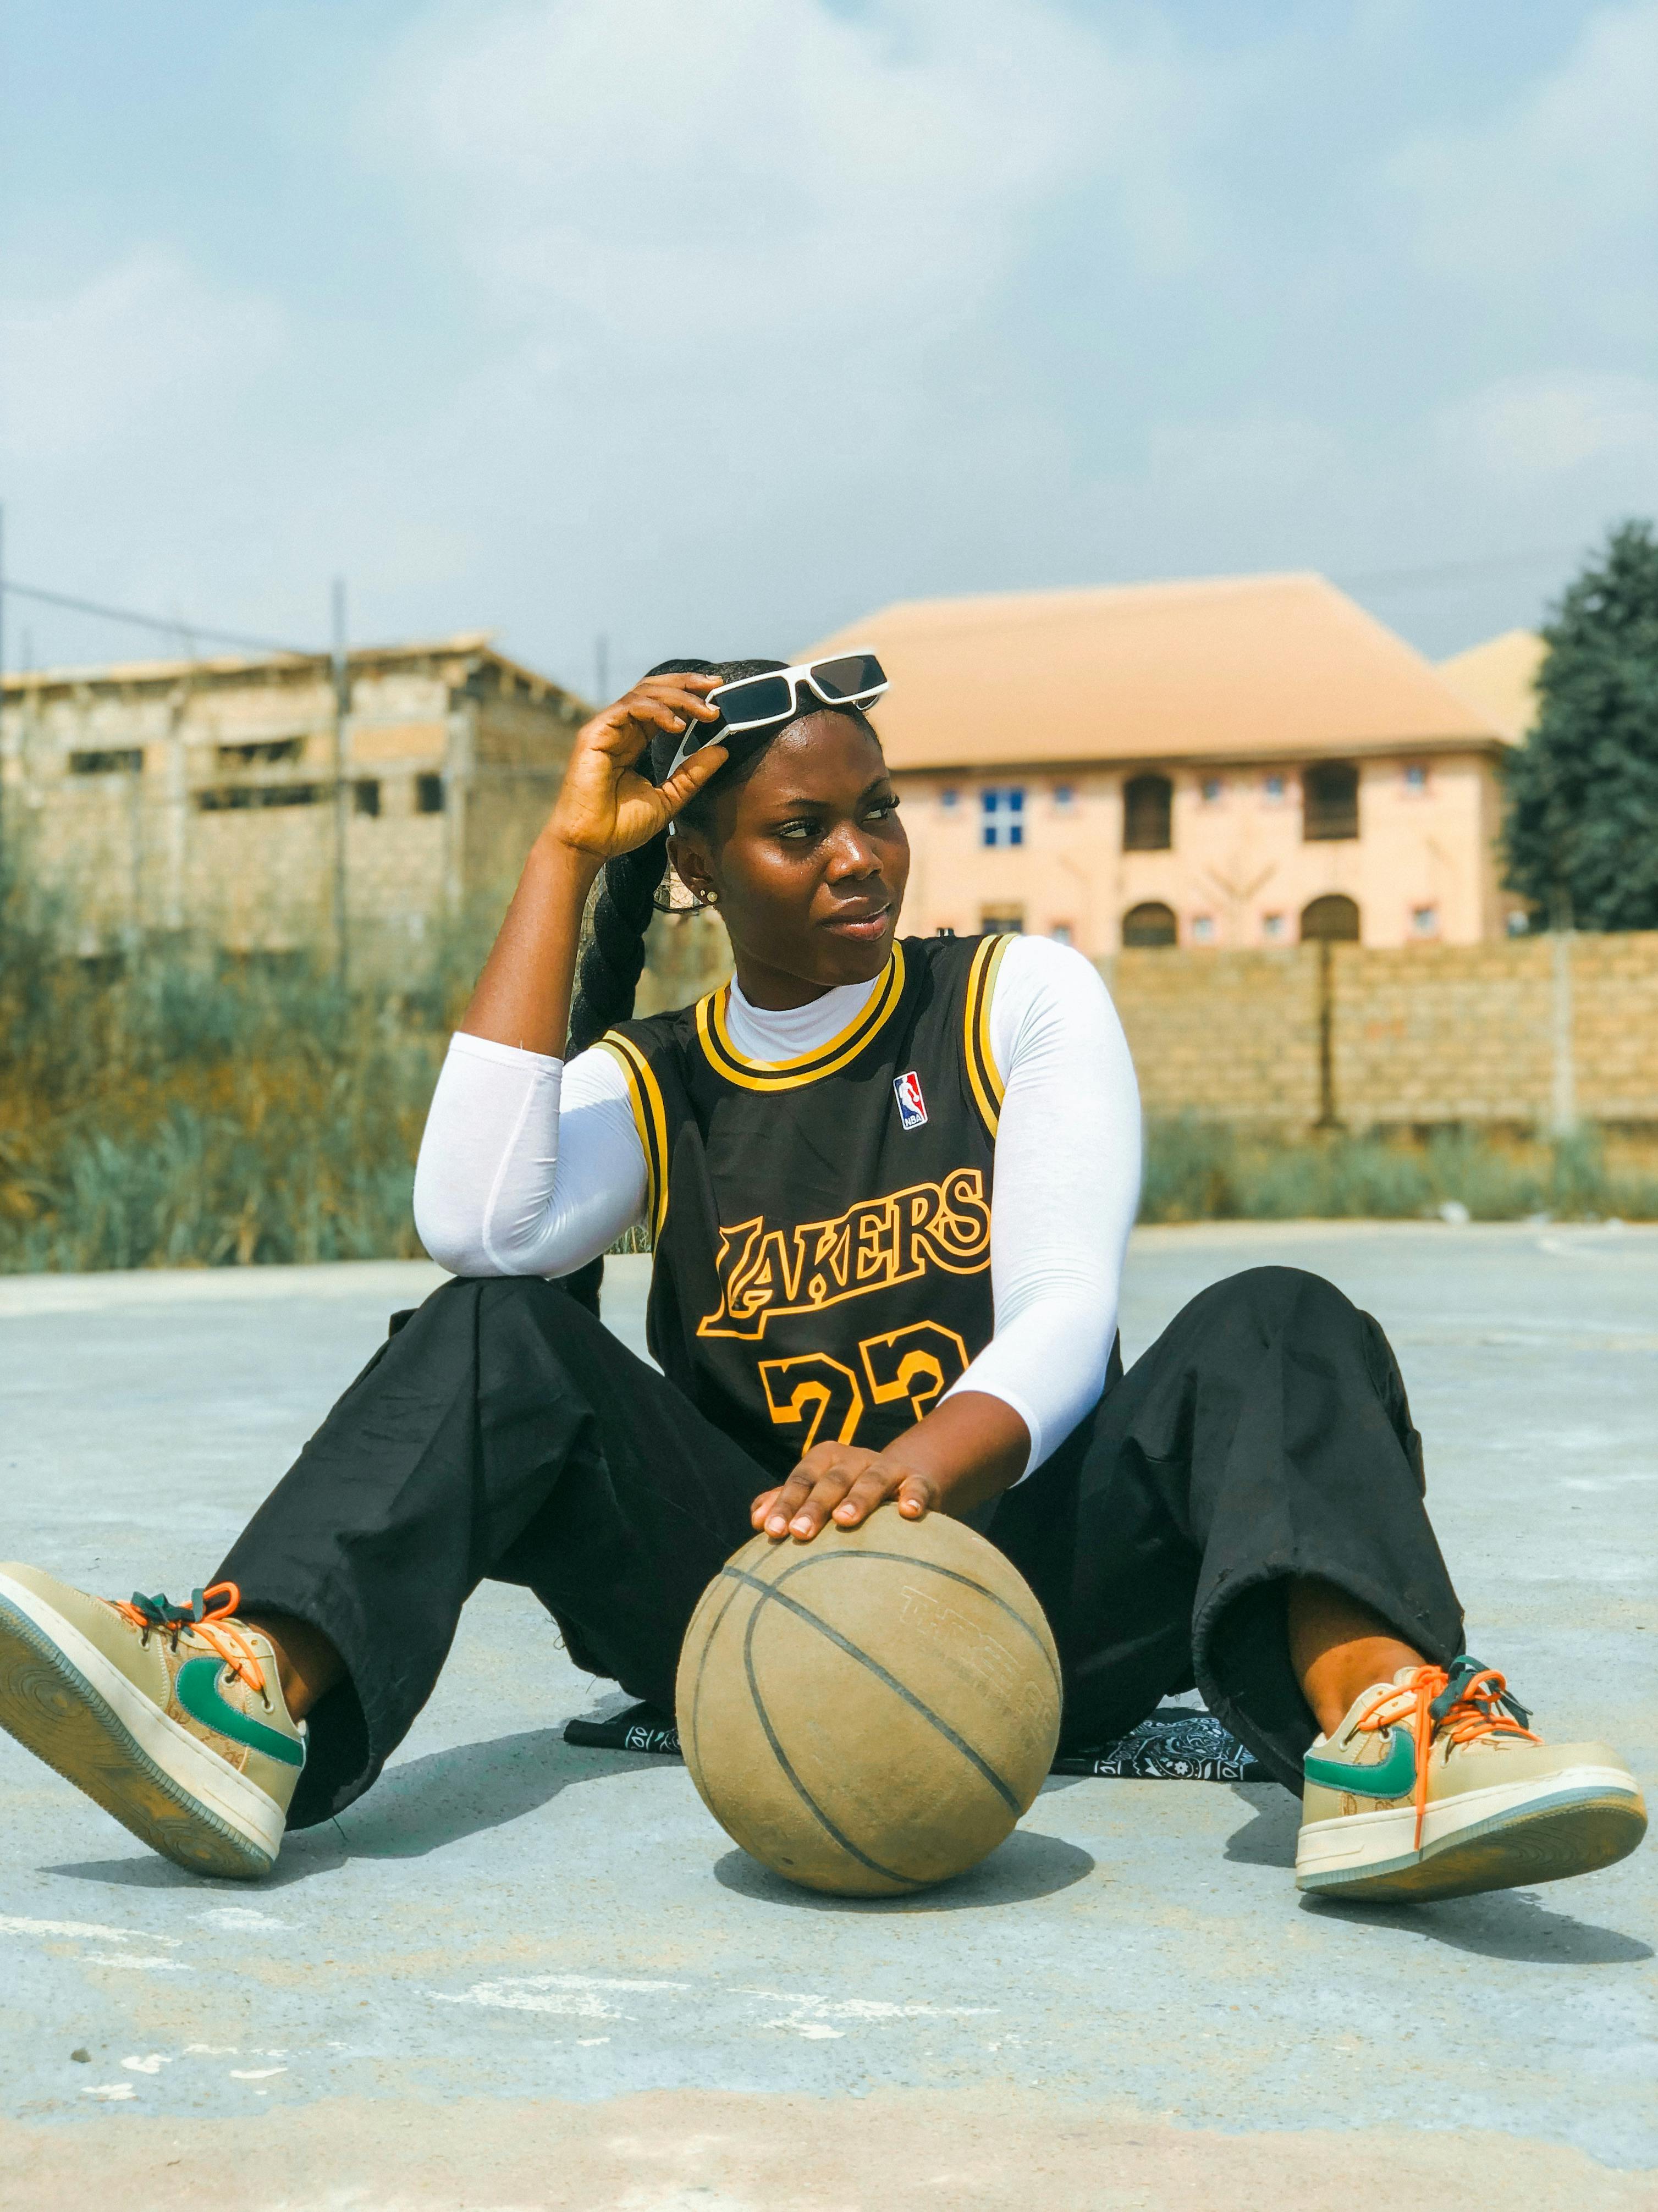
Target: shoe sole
[1588,1821]
[64,1701]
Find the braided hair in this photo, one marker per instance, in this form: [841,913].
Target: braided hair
[614,958]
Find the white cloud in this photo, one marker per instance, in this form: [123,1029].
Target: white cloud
[744,275]
[1240,461]
[133,352]
[709,324]
[711,177]
[1526,427]
[740,273]
[1541,189]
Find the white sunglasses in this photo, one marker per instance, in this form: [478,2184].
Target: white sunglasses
[752,702]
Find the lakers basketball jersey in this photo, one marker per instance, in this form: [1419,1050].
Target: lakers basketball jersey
[822,1226]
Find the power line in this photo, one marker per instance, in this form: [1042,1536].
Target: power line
[1445,572]
[1449,571]
[178,627]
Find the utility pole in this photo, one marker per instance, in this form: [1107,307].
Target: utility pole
[3,688]
[601,669]
[342,676]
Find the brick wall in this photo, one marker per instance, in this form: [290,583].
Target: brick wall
[1228,1035]
[1428,1034]
[1440,1033]
[1615,1026]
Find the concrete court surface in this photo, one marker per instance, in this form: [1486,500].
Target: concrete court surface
[522,1975]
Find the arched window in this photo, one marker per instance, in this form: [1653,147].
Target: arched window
[1149,925]
[1147,810]
[1333,920]
[1329,802]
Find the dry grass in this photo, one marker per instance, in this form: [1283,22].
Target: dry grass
[186,1110]
[189,1112]
[1205,1171]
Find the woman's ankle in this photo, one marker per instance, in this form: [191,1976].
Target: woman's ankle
[1339,1647]
[307,1664]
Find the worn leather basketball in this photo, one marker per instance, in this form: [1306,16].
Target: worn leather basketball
[871,1712]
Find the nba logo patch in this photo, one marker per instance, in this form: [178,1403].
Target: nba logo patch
[912,1107]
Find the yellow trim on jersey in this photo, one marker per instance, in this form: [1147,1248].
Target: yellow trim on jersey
[789,1074]
[650,1119]
[984,1077]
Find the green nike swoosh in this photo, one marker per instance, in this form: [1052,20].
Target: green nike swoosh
[198,1691]
[1395,1777]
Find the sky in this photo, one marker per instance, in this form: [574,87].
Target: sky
[704,328]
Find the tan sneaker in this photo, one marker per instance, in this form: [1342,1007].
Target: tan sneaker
[170,1716]
[1434,1786]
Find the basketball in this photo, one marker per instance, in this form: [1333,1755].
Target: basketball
[871,1712]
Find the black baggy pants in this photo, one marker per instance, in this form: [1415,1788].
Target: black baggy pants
[504,1433]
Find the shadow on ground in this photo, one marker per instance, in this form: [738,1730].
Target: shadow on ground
[1508,1923]
[1028,1865]
[1512,1923]
[428,1802]
[418,1807]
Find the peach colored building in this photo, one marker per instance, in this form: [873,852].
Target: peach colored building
[1498,679]
[1244,761]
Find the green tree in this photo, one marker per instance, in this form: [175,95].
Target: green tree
[1581,827]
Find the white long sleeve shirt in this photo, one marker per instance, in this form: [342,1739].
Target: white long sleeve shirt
[530,1166]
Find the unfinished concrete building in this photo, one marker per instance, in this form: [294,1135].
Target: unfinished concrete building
[229,799]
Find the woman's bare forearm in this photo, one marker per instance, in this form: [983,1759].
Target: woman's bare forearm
[967,1451]
[971,1449]
[523,996]
[604,807]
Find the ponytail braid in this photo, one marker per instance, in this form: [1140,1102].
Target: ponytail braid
[614,958]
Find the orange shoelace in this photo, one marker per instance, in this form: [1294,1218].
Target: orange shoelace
[214,1623]
[1469,1702]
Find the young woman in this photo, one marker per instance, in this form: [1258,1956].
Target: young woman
[890,1184]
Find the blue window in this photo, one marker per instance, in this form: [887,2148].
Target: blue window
[1003,820]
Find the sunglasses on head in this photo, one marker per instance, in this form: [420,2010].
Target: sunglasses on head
[754,702]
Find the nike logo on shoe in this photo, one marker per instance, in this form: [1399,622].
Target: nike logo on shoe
[197,1688]
[1392,1777]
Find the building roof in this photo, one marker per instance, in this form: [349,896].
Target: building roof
[1498,679]
[226,667]
[1235,667]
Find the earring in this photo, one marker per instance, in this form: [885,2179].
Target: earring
[709,897]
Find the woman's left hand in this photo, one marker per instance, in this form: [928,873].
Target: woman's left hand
[845,1484]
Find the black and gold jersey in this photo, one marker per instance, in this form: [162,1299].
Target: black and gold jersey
[822,1226]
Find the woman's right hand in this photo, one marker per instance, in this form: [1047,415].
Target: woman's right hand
[605,806]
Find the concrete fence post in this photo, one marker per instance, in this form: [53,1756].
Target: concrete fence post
[1563,1116]
[1327,1116]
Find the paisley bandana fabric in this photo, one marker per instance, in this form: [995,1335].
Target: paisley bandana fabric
[1178,1743]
